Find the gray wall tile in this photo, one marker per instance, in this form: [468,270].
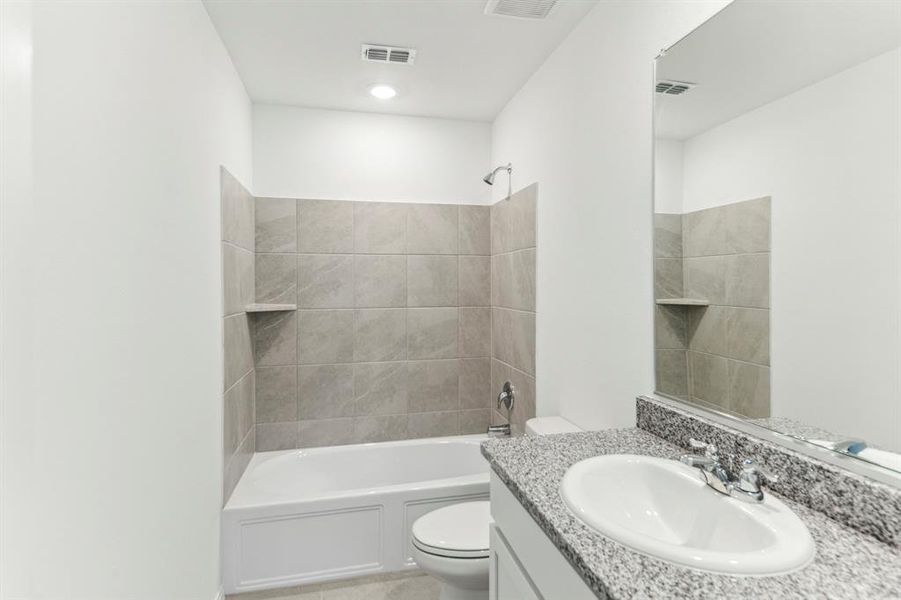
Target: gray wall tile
[275,224]
[325,281]
[276,394]
[670,327]
[705,277]
[748,334]
[707,329]
[704,233]
[275,278]
[237,278]
[380,281]
[325,391]
[667,235]
[380,388]
[433,385]
[364,360]
[432,229]
[748,226]
[475,281]
[432,333]
[668,278]
[236,463]
[325,432]
[513,280]
[380,334]
[433,424]
[726,252]
[749,389]
[475,383]
[672,372]
[475,230]
[513,338]
[380,428]
[474,421]
[325,336]
[513,221]
[380,227]
[709,378]
[276,436]
[748,280]
[238,414]
[275,338]
[238,351]
[325,226]
[475,332]
[431,280]
[236,210]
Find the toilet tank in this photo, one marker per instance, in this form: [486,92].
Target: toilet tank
[549,425]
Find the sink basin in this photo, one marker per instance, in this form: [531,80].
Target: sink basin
[662,508]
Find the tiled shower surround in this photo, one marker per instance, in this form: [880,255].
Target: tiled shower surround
[392,335]
[716,355]
[513,248]
[237,283]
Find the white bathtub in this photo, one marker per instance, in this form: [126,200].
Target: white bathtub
[302,516]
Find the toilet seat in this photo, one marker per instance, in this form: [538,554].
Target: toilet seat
[456,531]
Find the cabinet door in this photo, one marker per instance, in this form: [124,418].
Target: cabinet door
[508,580]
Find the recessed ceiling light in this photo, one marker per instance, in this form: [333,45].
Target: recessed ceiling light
[383,92]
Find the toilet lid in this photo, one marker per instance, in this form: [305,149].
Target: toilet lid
[458,530]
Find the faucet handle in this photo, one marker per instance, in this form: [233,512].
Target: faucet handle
[750,470]
[710,450]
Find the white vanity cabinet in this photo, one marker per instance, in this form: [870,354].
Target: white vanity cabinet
[525,565]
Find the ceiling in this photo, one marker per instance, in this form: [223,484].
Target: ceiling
[307,52]
[756,51]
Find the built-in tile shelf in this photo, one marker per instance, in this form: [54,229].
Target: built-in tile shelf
[261,308]
[683,302]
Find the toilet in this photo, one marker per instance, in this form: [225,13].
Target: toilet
[451,543]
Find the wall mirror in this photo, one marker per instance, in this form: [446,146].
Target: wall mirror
[777,204]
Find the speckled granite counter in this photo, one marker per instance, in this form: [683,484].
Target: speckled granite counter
[848,564]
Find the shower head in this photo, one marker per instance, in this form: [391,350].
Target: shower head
[489,178]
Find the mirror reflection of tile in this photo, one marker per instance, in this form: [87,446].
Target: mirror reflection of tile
[716,355]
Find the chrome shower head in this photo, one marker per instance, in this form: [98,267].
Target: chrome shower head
[489,178]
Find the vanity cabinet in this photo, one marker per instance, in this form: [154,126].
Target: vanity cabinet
[525,565]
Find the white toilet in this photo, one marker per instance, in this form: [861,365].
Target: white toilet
[451,543]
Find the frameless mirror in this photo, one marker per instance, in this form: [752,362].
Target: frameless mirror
[777,206]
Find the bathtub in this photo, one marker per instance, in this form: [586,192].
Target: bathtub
[303,516]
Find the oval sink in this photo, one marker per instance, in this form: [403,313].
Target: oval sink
[662,508]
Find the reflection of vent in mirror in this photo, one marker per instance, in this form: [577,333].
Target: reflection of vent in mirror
[388,54]
[524,9]
[673,88]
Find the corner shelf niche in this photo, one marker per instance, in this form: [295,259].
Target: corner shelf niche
[264,308]
[683,302]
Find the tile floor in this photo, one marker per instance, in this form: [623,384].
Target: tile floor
[403,586]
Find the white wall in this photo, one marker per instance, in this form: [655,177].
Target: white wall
[829,156]
[340,155]
[581,127]
[135,105]
[16,313]
[668,176]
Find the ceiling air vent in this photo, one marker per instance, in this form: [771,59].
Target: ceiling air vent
[673,88]
[524,9]
[388,54]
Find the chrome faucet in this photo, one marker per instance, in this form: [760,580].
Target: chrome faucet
[506,399]
[745,487]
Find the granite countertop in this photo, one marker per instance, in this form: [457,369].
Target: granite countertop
[848,564]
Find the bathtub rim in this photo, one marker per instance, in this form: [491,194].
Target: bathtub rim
[235,502]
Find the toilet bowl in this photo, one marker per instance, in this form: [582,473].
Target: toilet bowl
[451,544]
